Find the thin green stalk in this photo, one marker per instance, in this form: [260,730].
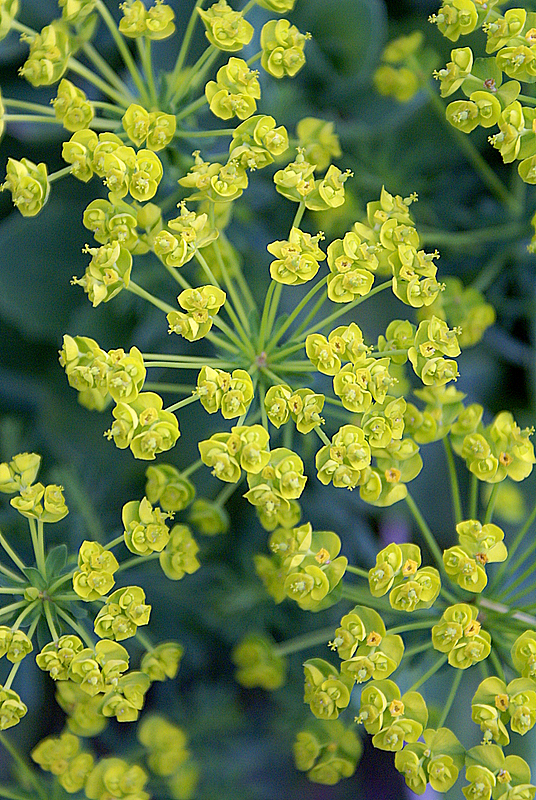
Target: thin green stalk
[225,494]
[40,548]
[196,72]
[307,319]
[177,388]
[280,355]
[60,173]
[418,648]
[9,794]
[463,239]
[263,328]
[301,305]
[450,699]
[512,598]
[144,49]
[239,275]
[64,578]
[363,573]
[414,626]
[346,308]
[513,548]
[182,403]
[23,766]
[296,366]
[428,674]
[106,71]
[254,58]
[137,290]
[41,118]
[304,642]
[486,173]
[426,532]
[454,485]
[10,102]
[79,629]
[114,542]
[105,88]
[24,613]
[50,621]
[322,436]
[11,590]
[107,107]
[165,358]
[275,379]
[274,305]
[192,468]
[144,640]
[491,504]
[11,575]
[243,343]
[229,285]
[123,49]
[12,607]
[238,317]
[137,561]
[210,134]
[185,44]
[497,664]
[192,107]
[13,556]
[298,216]
[264,415]
[473,497]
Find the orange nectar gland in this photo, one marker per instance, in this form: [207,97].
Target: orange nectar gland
[472,629]
[396,708]
[409,568]
[323,556]
[502,701]
[374,639]
[392,475]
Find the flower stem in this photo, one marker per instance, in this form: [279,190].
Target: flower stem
[183,52]
[23,766]
[363,573]
[491,504]
[323,438]
[123,49]
[347,307]
[106,71]
[84,635]
[105,88]
[426,532]
[428,674]
[50,621]
[450,699]
[138,290]
[13,556]
[473,497]
[301,305]
[303,642]
[414,626]
[454,485]
[182,403]
[144,49]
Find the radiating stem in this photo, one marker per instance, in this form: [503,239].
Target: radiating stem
[473,497]
[123,48]
[304,642]
[454,485]
[345,309]
[13,556]
[363,573]
[301,305]
[426,532]
[23,766]
[452,696]
[428,674]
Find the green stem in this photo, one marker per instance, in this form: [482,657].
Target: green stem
[263,328]
[225,494]
[40,560]
[176,388]
[106,71]
[307,319]
[298,216]
[31,118]
[473,497]
[11,575]
[84,635]
[280,355]
[191,108]
[12,607]
[13,556]
[262,397]
[323,438]
[210,134]
[238,274]
[123,49]
[363,573]
[24,613]
[463,239]
[242,324]
[515,544]
[229,285]
[497,664]
[64,578]
[183,52]
[418,648]
[144,49]
[144,640]
[23,766]
[137,290]
[301,305]
[428,674]
[491,504]
[228,331]
[90,76]
[274,305]
[10,102]
[347,307]
[454,485]
[137,561]
[426,532]
[182,403]
[414,626]
[304,642]
[11,590]
[8,794]
[107,107]
[50,621]
[450,699]
[296,366]
[195,74]
[60,173]
[487,175]
[115,542]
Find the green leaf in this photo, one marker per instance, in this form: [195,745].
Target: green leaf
[56,560]
[35,577]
